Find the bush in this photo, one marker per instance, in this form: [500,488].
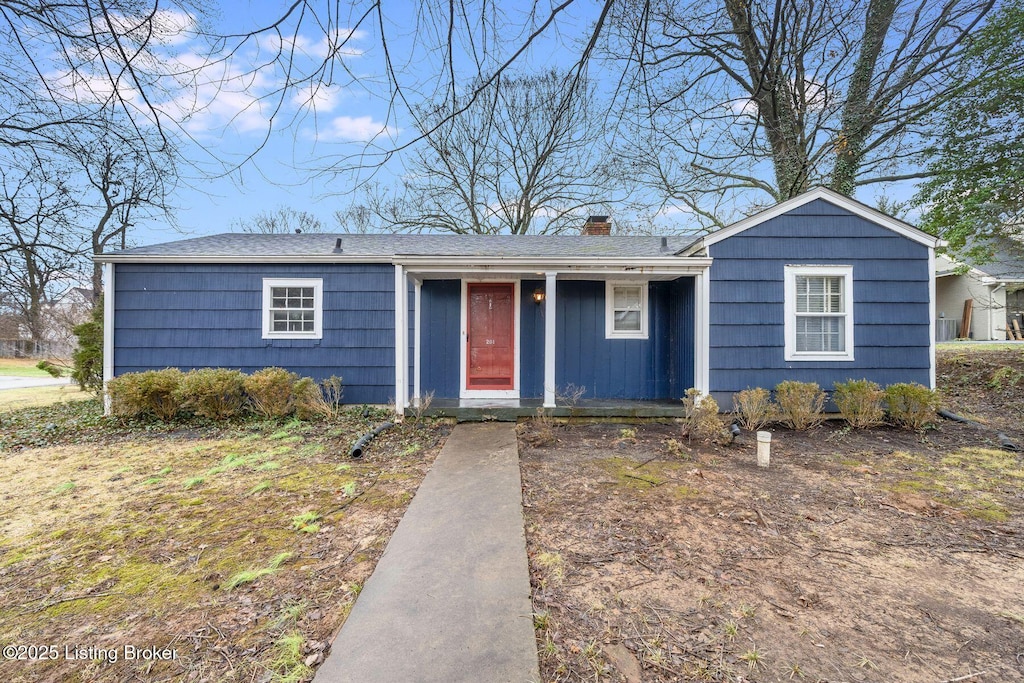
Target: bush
[146,394]
[754,408]
[861,402]
[800,404]
[701,419]
[911,405]
[271,392]
[215,393]
[309,400]
[88,356]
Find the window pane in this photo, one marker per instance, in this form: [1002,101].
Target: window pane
[820,334]
[627,321]
[819,294]
[626,297]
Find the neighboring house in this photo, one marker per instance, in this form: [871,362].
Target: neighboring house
[819,288]
[995,288]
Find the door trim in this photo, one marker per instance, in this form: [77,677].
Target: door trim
[464,340]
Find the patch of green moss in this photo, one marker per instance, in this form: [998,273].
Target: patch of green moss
[1005,463]
[630,474]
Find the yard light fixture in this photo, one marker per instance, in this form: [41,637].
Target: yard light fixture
[538,296]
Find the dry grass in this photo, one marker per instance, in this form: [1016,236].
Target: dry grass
[37,397]
[187,541]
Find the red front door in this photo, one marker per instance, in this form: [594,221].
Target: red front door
[490,352]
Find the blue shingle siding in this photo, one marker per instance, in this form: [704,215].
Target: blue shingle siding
[890,294]
[193,316]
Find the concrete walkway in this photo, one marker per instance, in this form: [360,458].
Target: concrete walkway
[450,598]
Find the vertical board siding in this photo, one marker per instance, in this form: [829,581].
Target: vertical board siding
[439,337]
[643,369]
[196,315]
[890,297]
[531,341]
[682,316]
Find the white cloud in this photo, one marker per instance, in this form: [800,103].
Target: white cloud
[336,43]
[320,98]
[174,28]
[355,129]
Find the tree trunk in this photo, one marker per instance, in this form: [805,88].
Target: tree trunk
[774,100]
[859,112]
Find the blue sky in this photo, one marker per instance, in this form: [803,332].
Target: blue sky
[312,127]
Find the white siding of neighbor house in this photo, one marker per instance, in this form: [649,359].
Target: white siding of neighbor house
[988,320]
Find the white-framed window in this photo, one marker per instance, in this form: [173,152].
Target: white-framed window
[819,313]
[293,308]
[625,311]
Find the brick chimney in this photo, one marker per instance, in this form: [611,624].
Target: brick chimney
[597,225]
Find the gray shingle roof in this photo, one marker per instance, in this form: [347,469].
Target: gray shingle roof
[236,245]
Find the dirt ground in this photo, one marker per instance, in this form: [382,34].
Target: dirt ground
[239,549]
[872,555]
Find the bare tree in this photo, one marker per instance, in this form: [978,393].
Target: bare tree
[524,156]
[39,250]
[730,96]
[119,186]
[280,221]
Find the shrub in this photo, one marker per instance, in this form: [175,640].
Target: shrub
[310,403]
[701,419]
[861,402]
[146,394]
[911,405]
[271,392]
[754,408]
[215,393]
[88,356]
[800,404]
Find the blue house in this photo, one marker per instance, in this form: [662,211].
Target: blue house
[819,288]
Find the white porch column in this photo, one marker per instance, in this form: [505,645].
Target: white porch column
[702,332]
[401,342]
[931,318]
[108,332]
[550,285]
[418,286]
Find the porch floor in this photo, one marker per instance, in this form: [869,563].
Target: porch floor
[511,411]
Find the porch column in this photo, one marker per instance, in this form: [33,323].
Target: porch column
[401,342]
[931,318]
[549,339]
[418,286]
[108,332]
[701,332]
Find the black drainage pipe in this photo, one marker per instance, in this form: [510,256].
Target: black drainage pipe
[1004,440]
[360,445]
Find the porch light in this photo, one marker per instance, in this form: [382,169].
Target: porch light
[538,296]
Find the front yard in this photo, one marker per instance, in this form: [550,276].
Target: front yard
[878,555]
[237,549]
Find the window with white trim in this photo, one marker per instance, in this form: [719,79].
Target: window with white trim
[293,308]
[819,313]
[626,310]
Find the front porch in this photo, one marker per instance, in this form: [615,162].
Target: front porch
[556,334]
[513,411]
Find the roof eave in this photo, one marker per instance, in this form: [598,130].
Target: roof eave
[464,262]
[842,201]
